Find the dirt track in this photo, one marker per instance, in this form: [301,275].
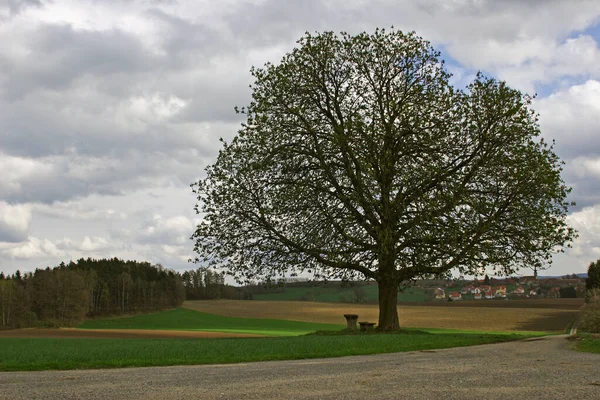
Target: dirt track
[539,369]
[116,334]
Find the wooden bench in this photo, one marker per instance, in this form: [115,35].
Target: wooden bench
[366,326]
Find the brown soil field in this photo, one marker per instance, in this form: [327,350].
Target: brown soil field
[115,334]
[556,304]
[484,318]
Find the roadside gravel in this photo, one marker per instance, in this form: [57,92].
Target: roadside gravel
[543,368]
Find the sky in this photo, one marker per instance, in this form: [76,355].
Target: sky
[110,109]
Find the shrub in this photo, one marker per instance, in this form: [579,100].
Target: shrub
[589,320]
[592,296]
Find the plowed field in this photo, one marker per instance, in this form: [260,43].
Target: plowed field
[493,316]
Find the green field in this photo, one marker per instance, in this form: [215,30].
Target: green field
[188,320]
[336,294]
[363,293]
[43,354]
[330,341]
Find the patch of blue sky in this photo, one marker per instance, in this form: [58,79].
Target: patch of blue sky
[592,30]
[546,89]
[461,76]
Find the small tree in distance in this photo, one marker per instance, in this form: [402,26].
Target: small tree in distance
[358,159]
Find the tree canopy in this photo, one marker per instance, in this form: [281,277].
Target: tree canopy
[358,158]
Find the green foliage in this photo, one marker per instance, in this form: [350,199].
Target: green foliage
[359,159]
[589,319]
[119,286]
[592,296]
[206,284]
[15,305]
[60,297]
[568,292]
[593,279]
[184,319]
[44,354]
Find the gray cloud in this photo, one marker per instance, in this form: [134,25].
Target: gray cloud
[10,234]
[101,109]
[59,55]
[15,7]
[67,177]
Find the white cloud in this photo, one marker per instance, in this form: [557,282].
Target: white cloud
[33,248]
[585,248]
[169,230]
[577,57]
[14,222]
[572,117]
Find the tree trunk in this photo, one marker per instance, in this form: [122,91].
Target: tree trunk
[388,305]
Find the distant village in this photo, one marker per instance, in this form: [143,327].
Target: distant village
[570,286]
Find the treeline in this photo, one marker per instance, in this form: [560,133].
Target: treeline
[66,294]
[206,284]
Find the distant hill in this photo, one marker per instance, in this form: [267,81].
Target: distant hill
[581,275]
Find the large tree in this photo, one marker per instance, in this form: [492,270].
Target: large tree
[358,158]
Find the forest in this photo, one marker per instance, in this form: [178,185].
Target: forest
[68,293]
[206,284]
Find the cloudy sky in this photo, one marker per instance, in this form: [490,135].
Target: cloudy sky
[110,109]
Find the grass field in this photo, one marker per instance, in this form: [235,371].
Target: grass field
[190,320]
[337,295]
[588,342]
[43,354]
[333,292]
[485,318]
[284,322]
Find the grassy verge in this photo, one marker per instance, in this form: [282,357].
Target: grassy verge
[440,331]
[188,320]
[588,342]
[45,354]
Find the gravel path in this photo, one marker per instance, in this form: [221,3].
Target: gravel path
[543,368]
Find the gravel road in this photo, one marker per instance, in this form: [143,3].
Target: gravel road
[543,368]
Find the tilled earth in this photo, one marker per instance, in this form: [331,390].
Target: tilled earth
[501,317]
[543,368]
